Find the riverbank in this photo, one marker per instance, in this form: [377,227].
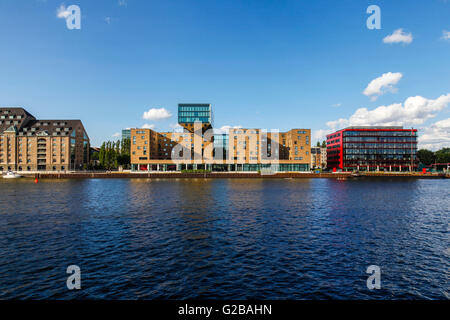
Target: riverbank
[222,175]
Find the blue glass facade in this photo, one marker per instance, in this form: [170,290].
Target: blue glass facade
[221,142]
[190,113]
[126,134]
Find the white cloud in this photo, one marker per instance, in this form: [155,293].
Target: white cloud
[436,137]
[148,126]
[108,20]
[414,111]
[336,105]
[117,134]
[225,129]
[62,12]
[320,135]
[155,114]
[122,3]
[383,84]
[398,36]
[445,35]
[176,127]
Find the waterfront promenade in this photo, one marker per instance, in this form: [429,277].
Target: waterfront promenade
[222,175]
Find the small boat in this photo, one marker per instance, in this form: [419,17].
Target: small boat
[11,175]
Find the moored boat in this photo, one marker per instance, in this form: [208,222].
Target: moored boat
[11,175]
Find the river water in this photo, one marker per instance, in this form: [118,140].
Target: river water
[225,238]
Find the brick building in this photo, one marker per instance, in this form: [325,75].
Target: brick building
[28,144]
[199,147]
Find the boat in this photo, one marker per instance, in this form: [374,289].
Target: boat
[11,175]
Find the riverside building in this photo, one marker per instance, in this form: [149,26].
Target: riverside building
[373,149]
[28,144]
[318,157]
[198,147]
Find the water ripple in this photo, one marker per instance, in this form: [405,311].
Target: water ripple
[225,239]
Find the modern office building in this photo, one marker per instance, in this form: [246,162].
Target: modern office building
[372,149]
[199,147]
[28,144]
[189,113]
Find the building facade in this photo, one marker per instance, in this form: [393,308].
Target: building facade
[318,157]
[199,147]
[28,144]
[372,149]
[323,157]
[126,134]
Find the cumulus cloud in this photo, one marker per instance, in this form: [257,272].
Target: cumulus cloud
[122,3]
[445,35]
[436,137]
[62,12]
[383,84]
[148,126]
[225,129]
[117,134]
[414,111]
[176,127]
[320,135]
[398,36]
[155,114]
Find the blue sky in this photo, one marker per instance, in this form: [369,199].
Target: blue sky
[263,64]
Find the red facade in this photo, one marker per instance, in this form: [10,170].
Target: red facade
[372,149]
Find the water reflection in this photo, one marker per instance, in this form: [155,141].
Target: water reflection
[230,238]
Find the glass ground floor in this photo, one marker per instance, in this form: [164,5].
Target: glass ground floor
[381,167]
[245,167]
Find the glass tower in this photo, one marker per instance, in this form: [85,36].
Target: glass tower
[190,113]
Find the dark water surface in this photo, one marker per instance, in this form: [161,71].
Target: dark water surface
[237,239]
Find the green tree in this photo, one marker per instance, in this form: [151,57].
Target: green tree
[102,154]
[112,154]
[443,155]
[324,144]
[426,156]
[95,155]
[126,144]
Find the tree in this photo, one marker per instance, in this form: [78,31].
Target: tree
[126,144]
[124,159]
[443,155]
[95,155]
[102,154]
[318,144]
[112,154]
[425,156]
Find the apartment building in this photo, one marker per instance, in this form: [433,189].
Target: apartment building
[200,147]
[318,157]
[28,144]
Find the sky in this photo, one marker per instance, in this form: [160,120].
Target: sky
[261,64]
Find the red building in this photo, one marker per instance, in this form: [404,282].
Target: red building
[372,149]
